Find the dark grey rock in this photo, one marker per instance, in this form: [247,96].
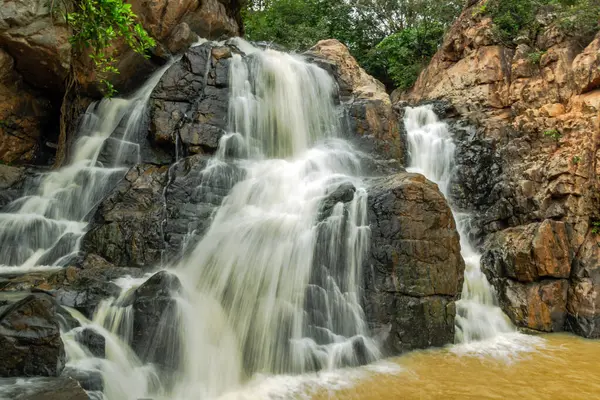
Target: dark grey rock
[155,327]
[93,341]
[30,341]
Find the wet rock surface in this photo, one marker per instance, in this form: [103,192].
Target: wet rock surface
[155,323]
[93,341]
[30,341]
[414,273]
[189,106]
[25,117]
[156,213]
[62,388]
[371,122]
[126,230]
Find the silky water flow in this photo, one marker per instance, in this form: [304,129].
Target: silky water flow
[431,152]
[43,228]
[273,285]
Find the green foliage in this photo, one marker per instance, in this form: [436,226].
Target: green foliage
[536,56]
[576,160]
[580,17]
[391,39]
[553,133]
[512,16]
[97,24]
[403,55]
[596,227]
[516,17]
[480,10]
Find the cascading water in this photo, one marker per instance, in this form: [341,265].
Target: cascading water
[273,286]
[431,149]
[258,298]
[44,228]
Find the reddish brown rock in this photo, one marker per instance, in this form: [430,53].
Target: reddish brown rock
[23,116]
[37,40]
[208,18]
[529,253]
[541,306]
[534,156]
[584,291]
[370,110]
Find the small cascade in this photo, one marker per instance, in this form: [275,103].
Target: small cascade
[431,149]
[44,227]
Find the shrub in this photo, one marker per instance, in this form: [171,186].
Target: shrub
[97,24]
[536,56]
[553,133]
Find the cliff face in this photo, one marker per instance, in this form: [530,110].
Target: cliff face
[529,172]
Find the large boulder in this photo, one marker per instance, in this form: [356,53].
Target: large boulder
[93,341]
[30,341]
[155,320]
[38,39]
[584,291]
[414,273]
[371,119]
[126,228]
[529,266]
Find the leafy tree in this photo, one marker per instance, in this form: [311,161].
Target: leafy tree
[399,58]
[363,26]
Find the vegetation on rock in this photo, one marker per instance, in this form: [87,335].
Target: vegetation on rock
[97,25]
[515,18]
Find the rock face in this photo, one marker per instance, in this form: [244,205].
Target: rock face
[415,270]
[155,328]
[530,267]
[189,105]
[530,166]
[127,225]
[30,340]
[208,18]
[38,40]
[23,116]
[370,116]
[156,213]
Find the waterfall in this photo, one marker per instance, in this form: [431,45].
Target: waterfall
[44,227]
[273,287]
[431,152]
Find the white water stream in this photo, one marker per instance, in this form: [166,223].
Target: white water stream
[431,152]
[43,228]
